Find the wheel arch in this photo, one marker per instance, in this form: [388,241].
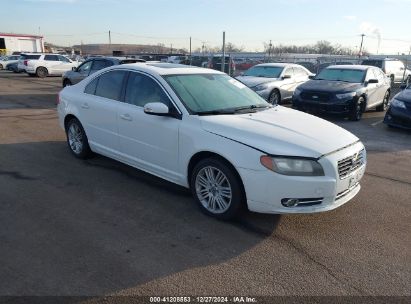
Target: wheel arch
[67,118]
[197,157]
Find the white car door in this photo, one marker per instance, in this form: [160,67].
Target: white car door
[98,111]
[148,141]
[65,64]
[288,83]
[52,63]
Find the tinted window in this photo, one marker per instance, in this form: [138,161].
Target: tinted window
[142,89]
[91,87]
[29,57]
[63,59]
[51,58]
[376,63]
[85,67]
[110,85]
[101,64]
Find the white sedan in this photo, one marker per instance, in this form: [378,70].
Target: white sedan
[206,131]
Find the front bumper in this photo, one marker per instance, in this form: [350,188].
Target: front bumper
[266,190]
[331,107]
[397,117]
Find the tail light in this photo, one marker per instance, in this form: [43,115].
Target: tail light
[25,62]
[210,65]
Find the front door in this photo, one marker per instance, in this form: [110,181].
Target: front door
[148,141]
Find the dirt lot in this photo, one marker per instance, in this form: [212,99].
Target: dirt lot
[98,227]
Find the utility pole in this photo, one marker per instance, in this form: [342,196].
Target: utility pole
[109,40]
[171,48]
[223,57]
[190,52]
[269,49]
[362,40]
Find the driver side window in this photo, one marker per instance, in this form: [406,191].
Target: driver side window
[142,89]
[85,67]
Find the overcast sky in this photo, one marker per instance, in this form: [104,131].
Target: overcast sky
[247,23]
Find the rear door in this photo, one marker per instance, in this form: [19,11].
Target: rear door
[99,111]
[52,63]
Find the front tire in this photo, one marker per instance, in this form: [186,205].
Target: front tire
[77,139]
[217,188]
[275,97]
[383,107]
[41,72]
[357,110]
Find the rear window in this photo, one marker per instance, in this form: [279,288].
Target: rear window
[30,57]
[376,63]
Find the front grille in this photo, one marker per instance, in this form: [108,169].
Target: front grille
[351,163]
[315,96]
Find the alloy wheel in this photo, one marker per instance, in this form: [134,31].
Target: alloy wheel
[75,137]
[213,190]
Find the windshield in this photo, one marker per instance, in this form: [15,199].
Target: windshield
[264,71]
[213,92]
[346,75]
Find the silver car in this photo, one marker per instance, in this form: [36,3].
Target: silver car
[275,82]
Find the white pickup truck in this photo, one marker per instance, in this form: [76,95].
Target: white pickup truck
[43,65]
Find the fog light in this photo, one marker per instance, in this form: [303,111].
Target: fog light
[289,202]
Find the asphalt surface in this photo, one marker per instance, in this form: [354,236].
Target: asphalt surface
[98,227]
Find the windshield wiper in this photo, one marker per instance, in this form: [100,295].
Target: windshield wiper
[216,112]
[253,107]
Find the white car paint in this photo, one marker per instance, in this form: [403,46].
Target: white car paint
[54,67]
[164,146]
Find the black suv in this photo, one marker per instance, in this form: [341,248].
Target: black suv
[344,89]
[91,66]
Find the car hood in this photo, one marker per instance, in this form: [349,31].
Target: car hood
[251,81]
[330,86]
[404,95]
[281,131]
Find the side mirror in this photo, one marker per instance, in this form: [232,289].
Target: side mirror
[311,77]
[403,86]
[156,108]
[372,81]
[74,69]
[286,77]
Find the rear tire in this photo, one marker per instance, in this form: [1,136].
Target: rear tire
[357,110]
[41,72]
[217,188]
[77,140]
[383,107]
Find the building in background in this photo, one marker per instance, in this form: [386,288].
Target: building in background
[10,43]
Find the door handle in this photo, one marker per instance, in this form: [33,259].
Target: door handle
[85,106]
[126,117]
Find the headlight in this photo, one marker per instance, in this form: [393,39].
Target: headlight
[297,92]
[398,104]
[346,95]
[292,166]
[261,87]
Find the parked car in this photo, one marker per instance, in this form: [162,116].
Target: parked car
[349,90]
[399,111]
[91,66]
[393,68]
[246,64]
[43,65]
[21,64]
[210,133]
[13,67]
[6,60]
[176,59]
[275,82]
[215,63]
[311,66]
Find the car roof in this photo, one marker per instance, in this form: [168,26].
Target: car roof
[278,64]
[350,67]
[162,68]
